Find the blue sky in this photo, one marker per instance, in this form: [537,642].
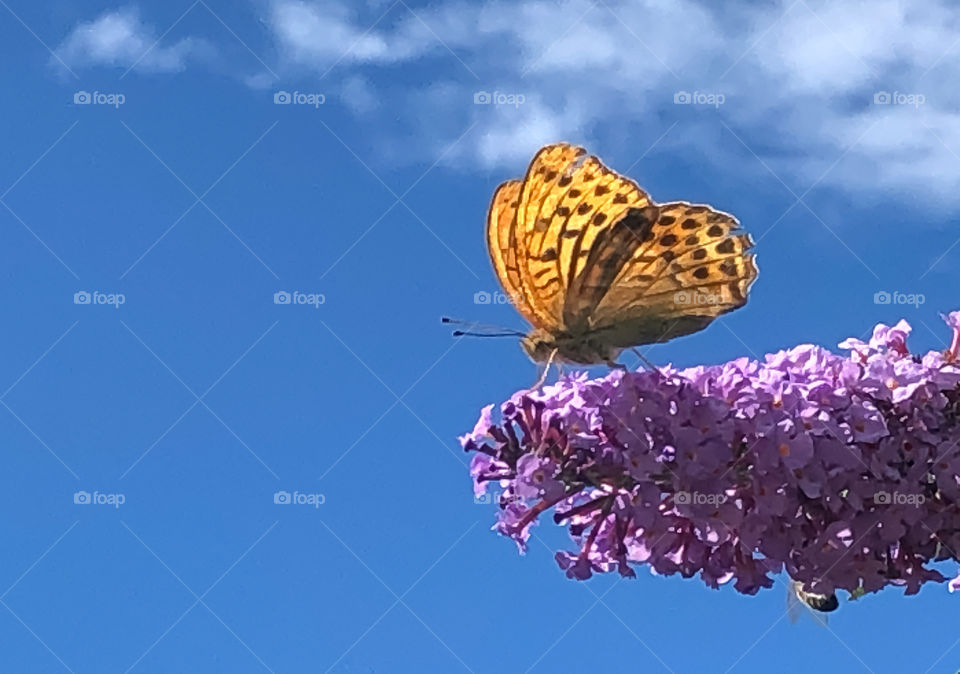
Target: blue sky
[149,170]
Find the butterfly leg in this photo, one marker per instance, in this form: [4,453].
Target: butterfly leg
[650,366]
[546,371]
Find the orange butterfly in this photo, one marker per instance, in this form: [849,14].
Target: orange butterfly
[596,266]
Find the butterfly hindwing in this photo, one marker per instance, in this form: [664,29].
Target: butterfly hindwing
[692,267]
[613,247]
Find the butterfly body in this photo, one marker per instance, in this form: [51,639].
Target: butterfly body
[581,349]
[603,345]
[596,266]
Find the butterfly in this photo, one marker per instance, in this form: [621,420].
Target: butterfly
[596,266]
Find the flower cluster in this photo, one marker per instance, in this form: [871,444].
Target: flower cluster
[842,470]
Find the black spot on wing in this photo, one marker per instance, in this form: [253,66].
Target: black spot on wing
[725,247]
[729,268]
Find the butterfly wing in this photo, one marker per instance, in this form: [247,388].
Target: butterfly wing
[502,246]
[662,272]
[567,201]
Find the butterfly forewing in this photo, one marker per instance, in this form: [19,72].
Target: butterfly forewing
[567,200]
[502,246]
[538,240]
[596,199]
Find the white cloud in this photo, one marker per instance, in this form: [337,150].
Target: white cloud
[120,39]
[321,35]
[798,79]
[511,134]
[358,95]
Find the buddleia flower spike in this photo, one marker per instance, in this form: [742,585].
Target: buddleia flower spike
[840,470]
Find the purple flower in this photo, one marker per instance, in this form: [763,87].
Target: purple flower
[954,584]
[895,338]
[515,520]
[536,476]
[953,320]
[481,431]
[843,470]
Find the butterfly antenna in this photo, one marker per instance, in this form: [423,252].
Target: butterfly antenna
[480,329]
[466,333]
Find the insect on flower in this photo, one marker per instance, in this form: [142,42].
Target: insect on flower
[797,598]
[596,266]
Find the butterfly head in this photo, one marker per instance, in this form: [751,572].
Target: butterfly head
[539,345]
[543,346]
